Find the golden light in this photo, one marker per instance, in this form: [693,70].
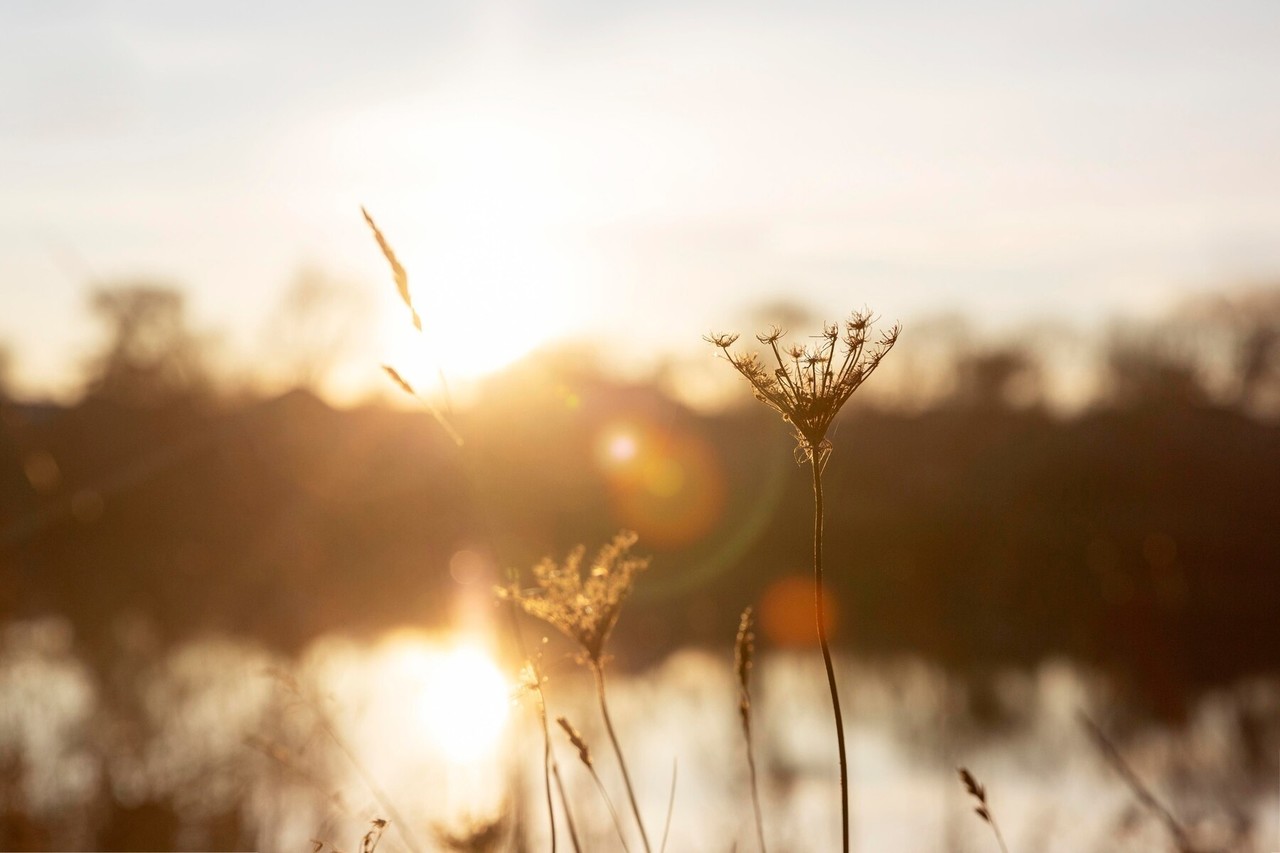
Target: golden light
[495,266]
[465,708]
[458,697]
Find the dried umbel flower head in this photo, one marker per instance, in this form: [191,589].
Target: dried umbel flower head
[584,609]
[812,383]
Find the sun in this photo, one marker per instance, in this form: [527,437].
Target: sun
[495,266]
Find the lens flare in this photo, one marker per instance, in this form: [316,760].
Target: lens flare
[667,485]
[786,612]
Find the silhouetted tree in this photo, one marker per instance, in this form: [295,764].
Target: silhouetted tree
[1152,369]
[314,326]
[1246,328]
[149,354]
[6,372]
[1004,378]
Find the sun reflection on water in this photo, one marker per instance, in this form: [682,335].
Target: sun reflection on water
[457,697]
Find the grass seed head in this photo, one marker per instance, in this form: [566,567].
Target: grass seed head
[575,738]
[977,791]
[743,656]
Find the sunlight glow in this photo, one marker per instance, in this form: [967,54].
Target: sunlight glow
[466,709]
[458,696]
[495,268]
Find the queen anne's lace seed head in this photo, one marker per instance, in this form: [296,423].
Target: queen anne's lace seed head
[812,383]
[584,609]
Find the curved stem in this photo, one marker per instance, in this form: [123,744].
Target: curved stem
[598,669]
[613,813]
[820,612]
[568,815]
[546,773]
[755,793]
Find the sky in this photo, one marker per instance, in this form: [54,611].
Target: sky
[637,173]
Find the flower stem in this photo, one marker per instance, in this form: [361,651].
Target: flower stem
[598,668]
[820,612]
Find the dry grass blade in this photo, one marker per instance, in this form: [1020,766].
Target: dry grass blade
[1141,793]
[397,270]
[983,809]
[399,380]
[404,386]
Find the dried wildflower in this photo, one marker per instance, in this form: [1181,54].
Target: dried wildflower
[808,388]
[583,609]
[812,383]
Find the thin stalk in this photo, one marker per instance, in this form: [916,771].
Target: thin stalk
[755,792]
[820,611]
[743,652]
[613,813]
[546,778]
[548,765]
[598,668]
[1140,791]
[568,815]
[995,827]
[548,755]
[671,807]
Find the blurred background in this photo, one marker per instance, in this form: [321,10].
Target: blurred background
[246,583]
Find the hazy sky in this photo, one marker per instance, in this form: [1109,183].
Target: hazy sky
[644,171]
